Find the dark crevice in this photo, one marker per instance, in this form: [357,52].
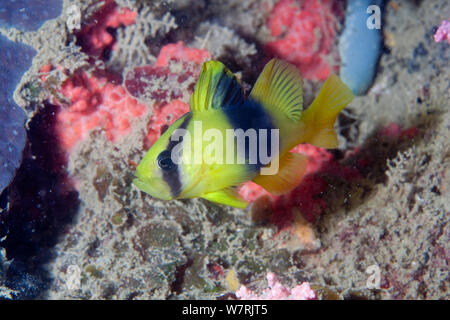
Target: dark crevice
[41,202]
[177,285]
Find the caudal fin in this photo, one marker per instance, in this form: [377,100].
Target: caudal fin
[321,115]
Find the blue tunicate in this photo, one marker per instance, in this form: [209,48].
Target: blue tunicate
[28,15]
[15,59]
[359,46]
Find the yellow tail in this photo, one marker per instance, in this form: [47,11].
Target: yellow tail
[319,118]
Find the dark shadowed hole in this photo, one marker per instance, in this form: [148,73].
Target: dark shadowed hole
[41,204]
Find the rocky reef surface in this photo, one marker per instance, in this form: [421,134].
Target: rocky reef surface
[95,97]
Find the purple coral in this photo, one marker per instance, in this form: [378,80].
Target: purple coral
[277,291]
[443,32]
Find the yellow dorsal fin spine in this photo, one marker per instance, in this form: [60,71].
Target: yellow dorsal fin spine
[280,86]
[321,115]
[216,88]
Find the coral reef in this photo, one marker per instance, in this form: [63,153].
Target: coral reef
[400,228]
[276,291]
[95,103]
[221,41]
[94,36]
[305,34]
[41,203]
[129,49]
[169,81]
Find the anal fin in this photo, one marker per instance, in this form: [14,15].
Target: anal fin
[228,196]
[292,168]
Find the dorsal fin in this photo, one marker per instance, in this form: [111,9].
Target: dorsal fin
[216,88]
[280,86]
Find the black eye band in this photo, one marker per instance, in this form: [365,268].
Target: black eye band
[165,161]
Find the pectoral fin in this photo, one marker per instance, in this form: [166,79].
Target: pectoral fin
[230,197]
[292,168]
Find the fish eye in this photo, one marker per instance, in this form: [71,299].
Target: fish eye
[165,161]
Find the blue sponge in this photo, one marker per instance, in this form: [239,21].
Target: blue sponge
[15,59]
[359,46]
[28,15]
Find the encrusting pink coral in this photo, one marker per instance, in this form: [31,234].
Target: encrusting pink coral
[163,117]
[393,130]
[276,291]
[140,80]
[98,102]
[95,103]
[443,32]
[178,51]
[139,84]
[305,34]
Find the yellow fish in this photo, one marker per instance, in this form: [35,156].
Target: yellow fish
[226,139]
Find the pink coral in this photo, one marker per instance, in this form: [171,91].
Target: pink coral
[94,36]
[140,79]
[276,291]
[443,32]
[141,83]
[178,51]
[250,191]
[163,117]
[98,102]
[393,130]
[95,103]
[305,34]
